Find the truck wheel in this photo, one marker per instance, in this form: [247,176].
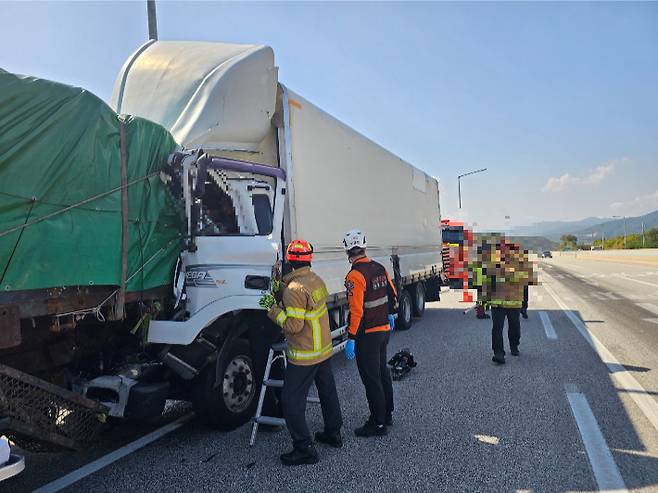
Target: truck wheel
[234,402]
[419,299]
[405,310]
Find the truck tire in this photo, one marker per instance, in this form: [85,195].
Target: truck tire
[419,299]
[233,403]
[405,311]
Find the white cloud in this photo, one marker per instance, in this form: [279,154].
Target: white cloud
[594,177]
[637,206]
[600,174]
[557,184]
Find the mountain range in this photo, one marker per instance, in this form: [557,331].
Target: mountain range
[588,228]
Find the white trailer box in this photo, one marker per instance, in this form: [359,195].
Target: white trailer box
[340,180]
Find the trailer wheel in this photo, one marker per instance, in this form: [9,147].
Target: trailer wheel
[232,403]
[405,311]
[419,299]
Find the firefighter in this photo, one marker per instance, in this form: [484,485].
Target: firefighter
[372,301]
[510,272]
[477,278]
[302,315]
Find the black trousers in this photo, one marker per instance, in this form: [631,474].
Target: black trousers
[514,328]
[297,381]
[376,377]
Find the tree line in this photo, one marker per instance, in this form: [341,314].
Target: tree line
[633,241]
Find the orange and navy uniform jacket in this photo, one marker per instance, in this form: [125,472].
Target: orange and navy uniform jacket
[372,297]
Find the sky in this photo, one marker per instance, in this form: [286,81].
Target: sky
[559,101]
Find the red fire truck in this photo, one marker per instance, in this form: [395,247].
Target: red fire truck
[456,241]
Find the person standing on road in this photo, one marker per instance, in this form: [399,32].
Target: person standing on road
[509,275]
[372,301]
[524,307]
[478,279]
[303,317]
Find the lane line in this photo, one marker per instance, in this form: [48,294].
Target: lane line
[622,276]
[648,307]
[607,475]
[548,326]
[652,320]
[612,296]
[624,379]
[106,460]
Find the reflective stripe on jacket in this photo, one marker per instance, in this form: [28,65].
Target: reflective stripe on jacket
[371,296]
[303,317]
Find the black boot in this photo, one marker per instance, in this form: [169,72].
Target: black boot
[334,440]
[370,429]
[514,350]
[298,457]
[499,358]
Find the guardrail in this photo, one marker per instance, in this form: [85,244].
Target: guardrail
[643,256]
[638,252]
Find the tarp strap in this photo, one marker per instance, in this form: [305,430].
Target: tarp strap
[121,297]
[4,271]
[78,204]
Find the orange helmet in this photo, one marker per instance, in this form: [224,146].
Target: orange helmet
[299,251]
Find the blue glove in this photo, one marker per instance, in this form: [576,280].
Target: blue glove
[391,321]
[349,349]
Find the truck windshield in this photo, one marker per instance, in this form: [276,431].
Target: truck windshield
[235,205]
[453,235]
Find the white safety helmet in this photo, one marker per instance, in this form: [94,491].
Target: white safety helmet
[354,239]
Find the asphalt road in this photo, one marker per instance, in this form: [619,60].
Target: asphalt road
[564,416]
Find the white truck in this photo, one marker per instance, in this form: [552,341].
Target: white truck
[273,167]
[258,166]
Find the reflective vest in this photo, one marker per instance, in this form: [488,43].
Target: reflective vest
[371,296]
[303,317]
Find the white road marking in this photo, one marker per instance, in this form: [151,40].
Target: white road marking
[652,320]
[612,296]
[598,296]
[106,460]
[622,276]
[606,472]
[625,381]
[650,307]
[548,326]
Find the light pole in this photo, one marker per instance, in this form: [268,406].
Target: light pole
[152,19]
[624,229]
[459,183]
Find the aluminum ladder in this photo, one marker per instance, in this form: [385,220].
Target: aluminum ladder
[278,351]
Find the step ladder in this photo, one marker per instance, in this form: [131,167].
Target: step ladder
[278,351]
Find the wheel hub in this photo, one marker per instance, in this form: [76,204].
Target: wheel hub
[238,386]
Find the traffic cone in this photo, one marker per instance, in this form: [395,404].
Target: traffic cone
[466,296]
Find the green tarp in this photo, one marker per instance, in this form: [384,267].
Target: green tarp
[59,147]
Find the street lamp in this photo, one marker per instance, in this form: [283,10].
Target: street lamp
[152,19]
[624,228]
[459,183]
